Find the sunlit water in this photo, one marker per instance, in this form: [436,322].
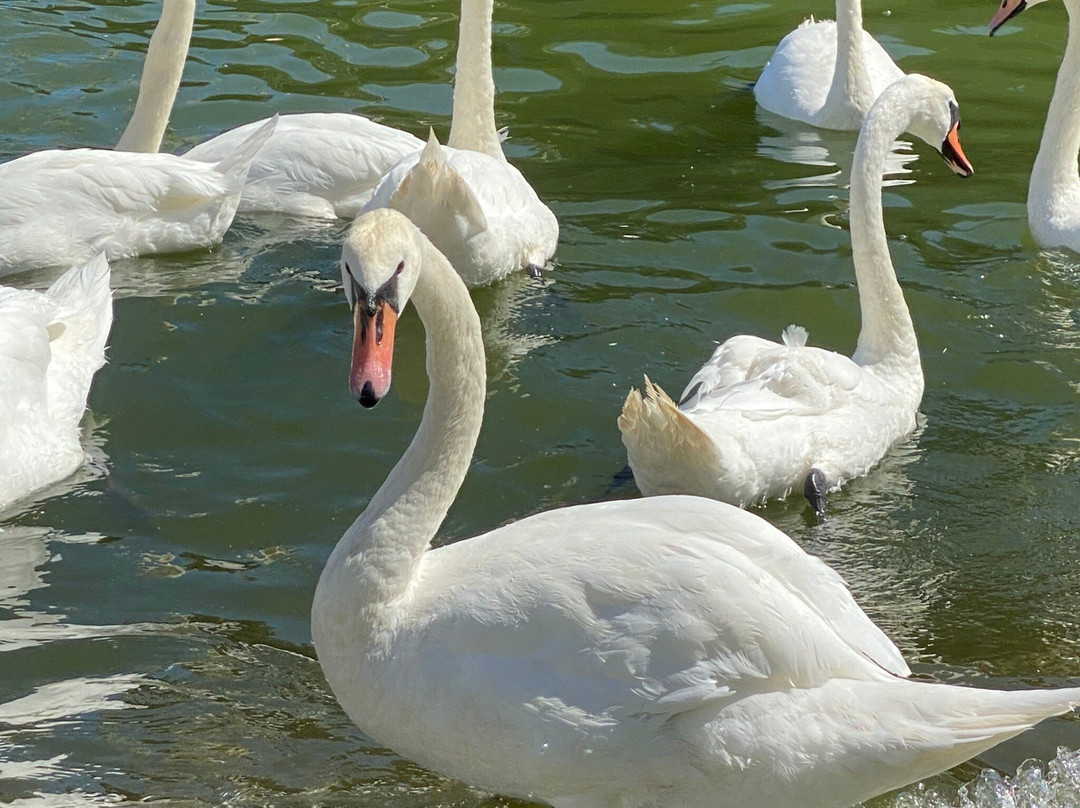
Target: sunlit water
[154,638]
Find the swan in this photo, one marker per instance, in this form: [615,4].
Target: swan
[827,73]
[1053,202]
[61,207]
[661,651]
[761,418]
[51,344]
[476,208]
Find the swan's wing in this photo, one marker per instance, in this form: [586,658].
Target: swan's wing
[24,350]
[767,380]
[796,80]
[79,330]
[652,606]
[322,164]
[62,207]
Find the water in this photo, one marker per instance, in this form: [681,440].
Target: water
[155,641]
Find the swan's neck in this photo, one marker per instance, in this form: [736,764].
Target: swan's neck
[850,92]
[164,64]
[473,125]
[887,332]
[375,561]
[1054,178]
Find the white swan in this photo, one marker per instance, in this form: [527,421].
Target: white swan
[761,418]
[62,206]
[827,73]
[663,651]
[51,344]
[476,208]
[1053,202]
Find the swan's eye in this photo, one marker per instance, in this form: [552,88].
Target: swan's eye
[400,267]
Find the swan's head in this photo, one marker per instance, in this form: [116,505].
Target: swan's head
[1007,10]
[380,262]
[935,118]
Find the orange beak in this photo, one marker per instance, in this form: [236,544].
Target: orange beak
[372,353]
[1008,10]
[953,152]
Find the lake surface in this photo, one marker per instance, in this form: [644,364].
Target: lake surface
[154,634]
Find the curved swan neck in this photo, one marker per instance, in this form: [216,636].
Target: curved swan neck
[887,331]
[165,57]
[1054,176]
[850,92]
[375,560]
[473,124]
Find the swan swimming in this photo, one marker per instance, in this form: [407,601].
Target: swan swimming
[661,651]
[61,207]
[51,344]
[476,208]
[827,73]
[1053,203]
[763,418]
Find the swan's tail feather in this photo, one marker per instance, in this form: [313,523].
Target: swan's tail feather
[433,189]
[77,336]
[658,436]
[944,725]
[238,163]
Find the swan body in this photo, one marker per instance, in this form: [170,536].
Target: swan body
[318,164]
[760,415]
[51,344]
[827,73]
[479,211]
[64,206]
[475,207]
[1053,203]
[664,651]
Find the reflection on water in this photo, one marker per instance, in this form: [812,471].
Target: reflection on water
[800,144]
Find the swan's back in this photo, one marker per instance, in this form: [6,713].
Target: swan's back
[51,344]
[796,81]
[315,164]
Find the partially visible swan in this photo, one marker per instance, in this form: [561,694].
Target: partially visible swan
[663,651]
[762,418]
[476,208]
[62,206]
[51,344]
[1053,203]
[827,73]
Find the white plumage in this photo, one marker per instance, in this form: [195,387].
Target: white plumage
[664,651]
[51,344]
[827,73]
[755,420]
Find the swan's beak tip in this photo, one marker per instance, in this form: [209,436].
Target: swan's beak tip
[366,396]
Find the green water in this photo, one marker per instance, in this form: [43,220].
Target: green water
[154,639]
